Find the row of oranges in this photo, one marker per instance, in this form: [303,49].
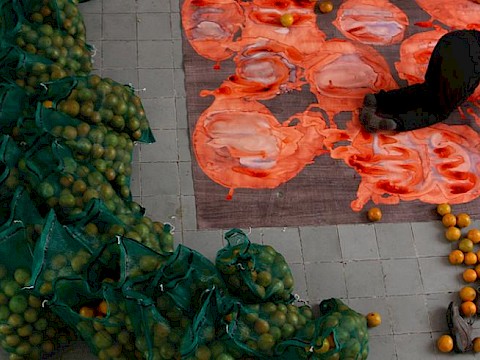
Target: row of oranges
[466,255]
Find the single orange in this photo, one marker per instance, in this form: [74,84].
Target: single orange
[466,245]
[456,257]
[325,6]
[287,20]
[374,214]
[102,308]
[453,233]
[463,220]
[468,308]
[474,235]
[86,311]
[469,275]
[449,220]
[470,258]
[373,319]
[445,343]
[443,209]
[476,344]
[467,293]
[477,270]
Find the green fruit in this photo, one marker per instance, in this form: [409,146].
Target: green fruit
[18,304]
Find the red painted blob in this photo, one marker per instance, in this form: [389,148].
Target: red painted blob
[373,22]
[263,20]
[240,144]
[264,69]
[434,165]
[459,14]
[210,26]
[342,73]
[415,53]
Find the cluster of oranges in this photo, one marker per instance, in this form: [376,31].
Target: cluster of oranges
[466,255]
[324,7]
[98,311]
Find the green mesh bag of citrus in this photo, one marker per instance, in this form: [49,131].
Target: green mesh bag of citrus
[252,271]
[338,333]
[206,337]
[13,105]
[59,253]
[27,330]
[97,100]
[44,51]
[259,330]
[99,317]
[108,151]
[184,278]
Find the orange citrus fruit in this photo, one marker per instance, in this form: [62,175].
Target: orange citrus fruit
[102,308]
[374,214]
[476,344]
[453,233]
[443,209]
[286,20]
[477,270]
[466,245]
[325,6]
[468,308]
[373,319]
[456,257]
[463,220]
[469,275]
[445,343]
[86,311]
[470,258]
[467,293]
[449,220]
[474,235]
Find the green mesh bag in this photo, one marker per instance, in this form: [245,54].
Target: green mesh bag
[100,318]
[338,333]
[108,151]
[59,14]
[13,105]
[37,52]
[97,100]
[9,174]
[207,337]
[252,271]
[27,330]
[138,263]
[154,336]
[59,253]
[184,278]
[259,329]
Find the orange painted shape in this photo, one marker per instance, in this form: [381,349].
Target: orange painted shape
[373,22]
[459,14]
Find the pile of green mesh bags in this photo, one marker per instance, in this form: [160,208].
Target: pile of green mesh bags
[78,257]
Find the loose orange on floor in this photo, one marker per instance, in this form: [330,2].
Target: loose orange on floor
[466,245]
[467,293]
[474,235]
[456,257]
[469,275]
[445,343]
[373,319]
[476,344]
[470,258]
[468,308]
[463,220]
[374,214]
[443,209]
[449,220]
[453,233]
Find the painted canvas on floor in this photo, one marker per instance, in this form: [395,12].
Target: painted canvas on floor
[274,90]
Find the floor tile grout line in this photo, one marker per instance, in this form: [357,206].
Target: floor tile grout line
[303,267]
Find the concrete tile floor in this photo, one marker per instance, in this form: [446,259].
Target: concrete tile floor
[399,270]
